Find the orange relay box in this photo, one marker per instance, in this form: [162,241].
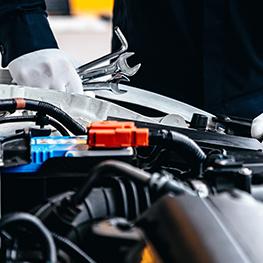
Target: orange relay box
[114,134]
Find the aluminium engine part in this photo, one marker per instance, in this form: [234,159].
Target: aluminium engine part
[154,101]
[132,95]
[83,109]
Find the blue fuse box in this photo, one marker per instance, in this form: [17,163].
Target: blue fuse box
[44,148]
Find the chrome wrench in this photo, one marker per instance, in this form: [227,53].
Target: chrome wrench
[120,66]
[124,47]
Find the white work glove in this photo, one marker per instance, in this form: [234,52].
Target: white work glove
[257,127]
[47,69]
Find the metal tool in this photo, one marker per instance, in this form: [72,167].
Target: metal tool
[124,47]
[109,86]
[119,66]
[118,78]
[118,69]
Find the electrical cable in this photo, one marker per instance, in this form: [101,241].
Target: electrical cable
[11,105]
[15,119]
[58,127]
[36,225]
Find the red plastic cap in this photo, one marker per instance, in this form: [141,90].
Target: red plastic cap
[114,134]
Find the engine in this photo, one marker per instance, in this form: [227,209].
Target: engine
[125,176]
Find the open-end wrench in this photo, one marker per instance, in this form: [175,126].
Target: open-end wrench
[110,86]
[119,66]
[124,47]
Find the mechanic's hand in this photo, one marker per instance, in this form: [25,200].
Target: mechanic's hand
[47,68]
[257,127]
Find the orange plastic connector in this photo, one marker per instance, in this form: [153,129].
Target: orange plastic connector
[114,134]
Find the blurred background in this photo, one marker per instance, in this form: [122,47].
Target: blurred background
[82,27]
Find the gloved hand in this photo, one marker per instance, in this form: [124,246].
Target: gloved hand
[257,127]
[48,69]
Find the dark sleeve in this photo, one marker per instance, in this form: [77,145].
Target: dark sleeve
[24,28]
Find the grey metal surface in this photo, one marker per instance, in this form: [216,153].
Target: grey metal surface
[86,109]
[154,101]
[137,96]
[82,108]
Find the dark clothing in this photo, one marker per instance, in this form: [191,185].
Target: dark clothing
[205,53]
[23,28]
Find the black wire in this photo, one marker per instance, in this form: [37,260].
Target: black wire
[35,224]
[57,114]
[58,127]
[45,108]
[105,169]
[72,249]
[15,119]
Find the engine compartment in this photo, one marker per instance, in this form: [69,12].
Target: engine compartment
[124,175]
[126,190]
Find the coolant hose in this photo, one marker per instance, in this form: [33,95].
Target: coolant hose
[12,105]
[182,144]
[35,224]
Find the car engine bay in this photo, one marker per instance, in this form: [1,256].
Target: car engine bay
[128,177]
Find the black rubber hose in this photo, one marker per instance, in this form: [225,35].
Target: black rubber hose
[35,224]
[72,249]
[181,144]
[58,127]
[45,108]
[8,105]
[106,169]
[15,119]
[57,114]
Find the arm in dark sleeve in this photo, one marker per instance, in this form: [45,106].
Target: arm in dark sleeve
[24,28]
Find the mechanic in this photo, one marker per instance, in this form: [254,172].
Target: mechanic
[208,54]
[30,50]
